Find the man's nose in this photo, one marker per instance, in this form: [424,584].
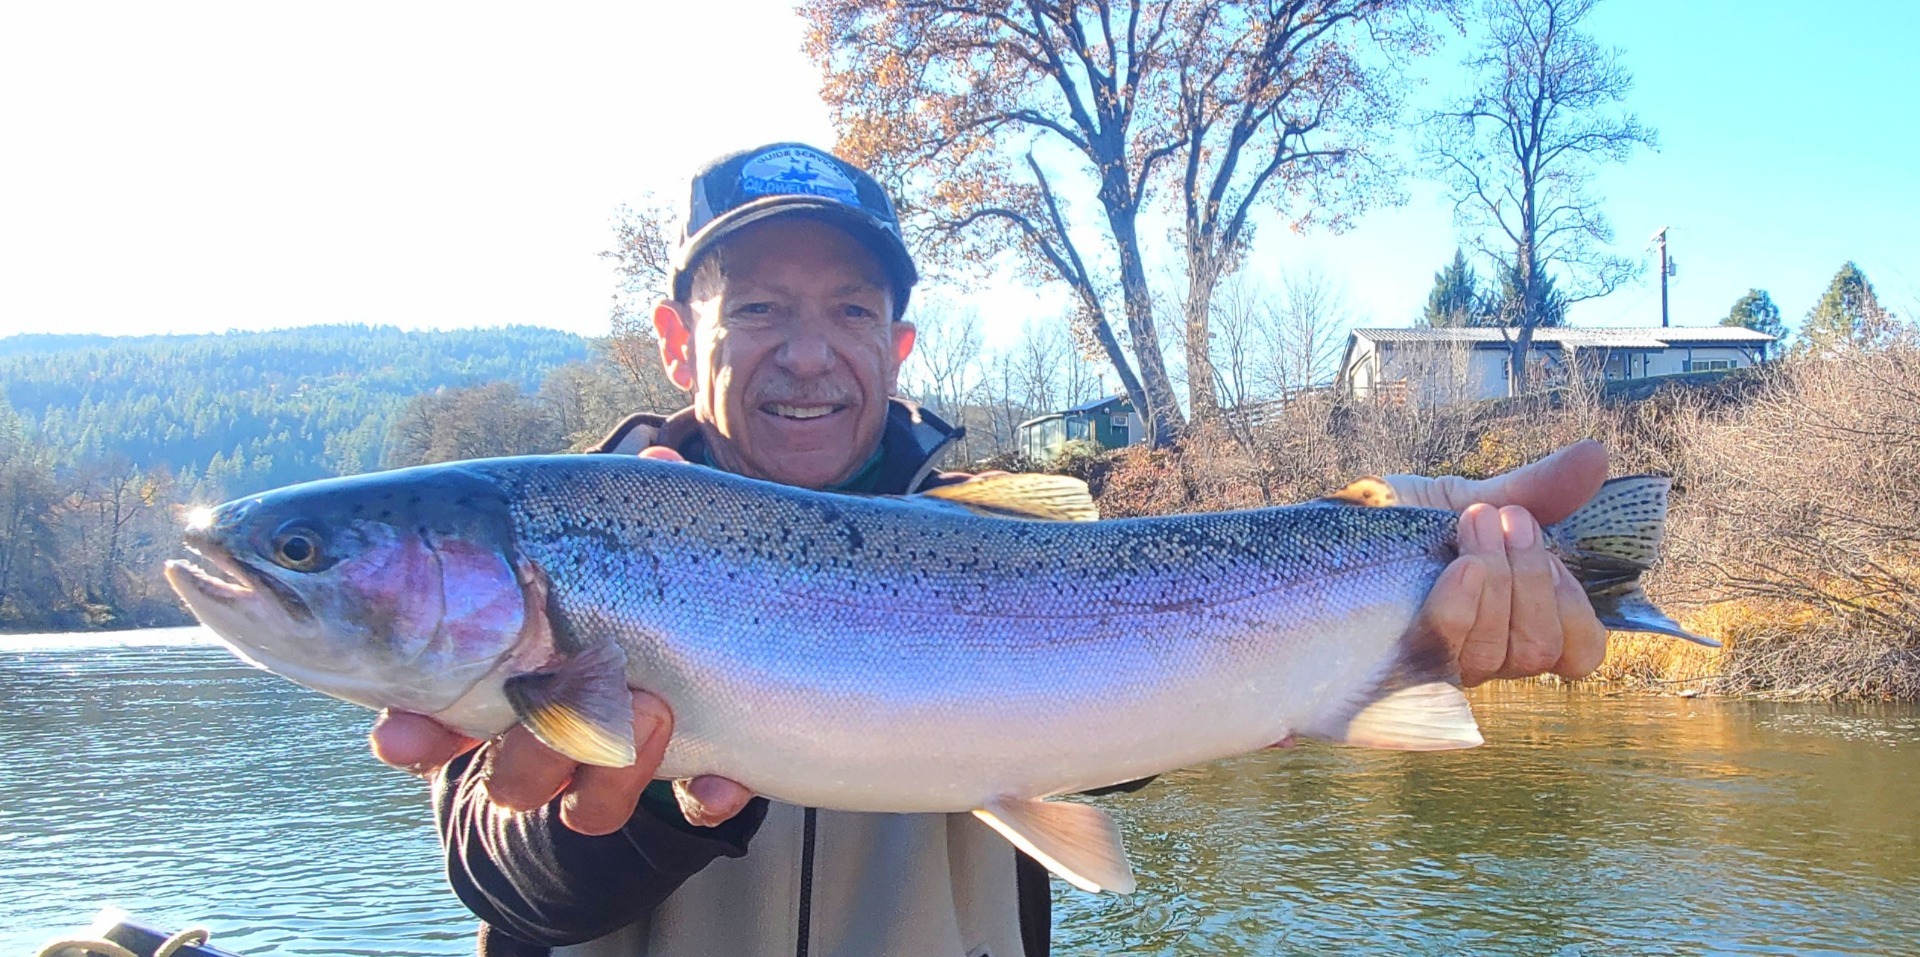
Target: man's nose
[808,350]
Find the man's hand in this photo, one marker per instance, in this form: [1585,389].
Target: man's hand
[523,774]
[1507,605]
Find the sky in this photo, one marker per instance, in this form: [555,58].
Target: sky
[202,167]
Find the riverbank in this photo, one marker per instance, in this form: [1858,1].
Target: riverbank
[1792,535]
[102,619]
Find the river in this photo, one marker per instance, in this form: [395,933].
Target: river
[155,772]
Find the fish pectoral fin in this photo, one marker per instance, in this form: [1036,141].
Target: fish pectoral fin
[581,708]
[1053,498]
[1425,717]
[1079,842]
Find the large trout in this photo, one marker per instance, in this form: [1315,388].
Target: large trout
[962,650]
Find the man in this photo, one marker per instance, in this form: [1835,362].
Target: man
[785,323]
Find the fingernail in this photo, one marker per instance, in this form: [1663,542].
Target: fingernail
[1519,529]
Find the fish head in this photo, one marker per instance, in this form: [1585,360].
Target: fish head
[388,590]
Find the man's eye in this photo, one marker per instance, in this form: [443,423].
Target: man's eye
[754,309]
[859,312]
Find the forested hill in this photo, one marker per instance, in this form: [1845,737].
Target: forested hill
[254,409]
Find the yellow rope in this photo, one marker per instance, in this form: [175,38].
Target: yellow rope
[79,947]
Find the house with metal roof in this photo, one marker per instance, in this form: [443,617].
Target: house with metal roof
[1443,366]
[1108,422]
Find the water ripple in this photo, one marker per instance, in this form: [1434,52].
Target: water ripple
[163,776]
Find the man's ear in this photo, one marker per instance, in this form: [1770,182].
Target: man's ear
[673,324]
[903,335]
[903,338]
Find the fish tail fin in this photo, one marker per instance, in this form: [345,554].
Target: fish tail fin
[1417,704]
[1609,542]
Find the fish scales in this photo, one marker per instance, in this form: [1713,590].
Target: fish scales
[796,633]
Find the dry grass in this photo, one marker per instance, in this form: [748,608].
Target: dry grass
[1794,535]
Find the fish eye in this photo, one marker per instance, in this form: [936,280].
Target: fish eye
[298,548]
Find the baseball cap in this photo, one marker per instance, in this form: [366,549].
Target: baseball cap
[790,179]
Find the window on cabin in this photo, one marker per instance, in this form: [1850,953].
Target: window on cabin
[1707,365]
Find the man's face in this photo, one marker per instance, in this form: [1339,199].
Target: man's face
[792,356]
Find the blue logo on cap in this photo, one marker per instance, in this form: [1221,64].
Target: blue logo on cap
[796,170]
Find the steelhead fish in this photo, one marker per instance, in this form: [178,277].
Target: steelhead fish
[960,650]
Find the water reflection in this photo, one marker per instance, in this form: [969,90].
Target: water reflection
[187,788]
[1588,825]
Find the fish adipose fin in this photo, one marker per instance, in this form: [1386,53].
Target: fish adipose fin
[1370,492]
[1053,498]
[1079,842]
[1609,542]
[581,708]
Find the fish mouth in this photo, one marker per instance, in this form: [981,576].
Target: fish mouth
[242,584]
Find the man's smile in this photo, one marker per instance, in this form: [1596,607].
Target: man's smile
[801,411]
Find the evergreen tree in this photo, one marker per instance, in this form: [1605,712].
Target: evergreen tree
[1455,300]
[1511,309]
[1849,316]
[1756,311]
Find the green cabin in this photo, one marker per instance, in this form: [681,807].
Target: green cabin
[1109,422]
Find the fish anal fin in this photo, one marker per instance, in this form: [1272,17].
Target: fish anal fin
[1370,492]
[1079,842]
[1053,498]
[1416,705]
[580,707]
[1424,717]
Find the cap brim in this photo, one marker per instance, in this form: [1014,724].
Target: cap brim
[884,243]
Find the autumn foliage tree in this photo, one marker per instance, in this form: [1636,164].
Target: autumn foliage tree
[996,123]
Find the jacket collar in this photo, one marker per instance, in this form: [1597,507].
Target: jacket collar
[910,444]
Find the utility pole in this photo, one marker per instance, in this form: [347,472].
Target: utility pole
[1666,269]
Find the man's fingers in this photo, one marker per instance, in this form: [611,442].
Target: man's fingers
[1586,638]
[1485,648]
[1533,626]
[1454,602]
[415,743]
[708,800]
[523,773]
[662,453]
[600,800]
[1552,488]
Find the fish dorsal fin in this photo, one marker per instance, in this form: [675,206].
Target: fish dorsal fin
[1371,492]
[580,708]
[1079,842]
[1053,498]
